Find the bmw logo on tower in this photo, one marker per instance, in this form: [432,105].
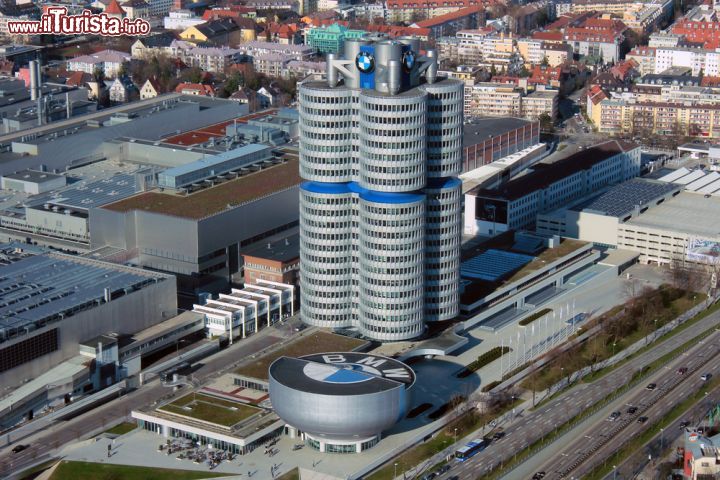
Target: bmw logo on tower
[408,61]
[365,62]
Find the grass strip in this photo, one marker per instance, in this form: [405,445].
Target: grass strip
[122,428]
[535,316]
[484,359]
[95,471]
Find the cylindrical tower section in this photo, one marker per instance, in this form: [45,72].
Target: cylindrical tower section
[351,48]
[392,141]
[443,232]
[444,128]
[386,52]
[392,243]
[327,116]
[326,258]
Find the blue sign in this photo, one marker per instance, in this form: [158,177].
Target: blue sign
[365,63]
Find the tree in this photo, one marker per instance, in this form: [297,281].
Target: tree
[233,83]
[545,62]
[99,75]
[546,122]
[192,75]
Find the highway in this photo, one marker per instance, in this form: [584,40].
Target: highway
[534,425]
[602,439]
[41,445]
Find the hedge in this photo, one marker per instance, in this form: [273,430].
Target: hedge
[535,316]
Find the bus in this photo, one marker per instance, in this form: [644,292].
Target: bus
[463,453]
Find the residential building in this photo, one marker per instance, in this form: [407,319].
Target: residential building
[195,89]
[645,58]
[494,100]
[300,70]
[181,20]
[296,52]
[120,90]
[211,59]
[271,64]
[108,61]
[410,11]
[547,186]
[136,9]
[402,269]
[160,8]
[450,23]
[540,102]
[220,32]
[148,46]
[267,97]
[150,89]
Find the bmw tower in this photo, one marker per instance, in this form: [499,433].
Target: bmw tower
[380,206]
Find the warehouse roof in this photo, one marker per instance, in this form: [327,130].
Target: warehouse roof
[480,129]
[210,201]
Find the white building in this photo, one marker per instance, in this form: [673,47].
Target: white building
[109,61]
[695,58]
[517,203]
[181,20]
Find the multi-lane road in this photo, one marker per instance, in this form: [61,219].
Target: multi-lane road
[42,445]
[535,425]
[673,385]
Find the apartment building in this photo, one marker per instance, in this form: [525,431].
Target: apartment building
[645,58]
[540,102]
[494,100]
[211,59]
[412,10]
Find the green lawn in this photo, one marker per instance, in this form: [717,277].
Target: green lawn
[102,471]
[210,409]
[122,428]
[316,342]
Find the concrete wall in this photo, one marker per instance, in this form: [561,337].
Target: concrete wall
[57,222]
[124,315]
[150,154]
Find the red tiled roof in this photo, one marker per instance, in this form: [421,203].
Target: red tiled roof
[114,8]
[207,90]
[448,17]
[426,4]
[397,31]
[596,94]
[549,36]
[710,81]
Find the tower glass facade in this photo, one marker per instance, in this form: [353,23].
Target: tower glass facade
[380,210]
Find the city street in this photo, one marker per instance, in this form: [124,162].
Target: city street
[536,424]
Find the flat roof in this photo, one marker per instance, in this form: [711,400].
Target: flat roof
[39,287]
[84,195]
[34,176]
[210,201]
[217,159]
[317,341]
[480,129]
[210,409]
[622,199]
[543,175]
[281,250]
[217,130]
[688,213]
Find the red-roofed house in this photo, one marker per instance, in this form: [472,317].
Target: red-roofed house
[595,95]
[114,10]
[626,70]
[195,89]
[409,10]
[449,23]
[710,81]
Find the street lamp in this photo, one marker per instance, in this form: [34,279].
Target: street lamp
[661,439]
[455,441]
[613,349]
[395,473]
[614,472]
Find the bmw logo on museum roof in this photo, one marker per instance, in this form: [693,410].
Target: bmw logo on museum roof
[365,62]
[408,60]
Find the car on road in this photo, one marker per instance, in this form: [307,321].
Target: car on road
[684,424]
[454,477]
[632,410]
[498,435]
[682,370]
[538,475]
[614,416]
[705,377]
[19,448]
[651,386]
[429,476]
[444,469]
[642,419]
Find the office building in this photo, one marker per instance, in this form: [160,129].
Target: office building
[547,186]
[380,208]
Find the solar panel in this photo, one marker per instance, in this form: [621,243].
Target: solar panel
[671,177]
[710,188]
[702,181]
[492,265]
[690,177]
[622,199]
[85,196]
